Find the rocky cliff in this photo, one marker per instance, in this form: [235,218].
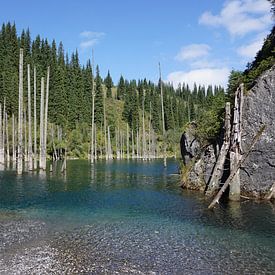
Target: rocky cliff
[257,173]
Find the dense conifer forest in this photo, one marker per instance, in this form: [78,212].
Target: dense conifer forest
[128,115]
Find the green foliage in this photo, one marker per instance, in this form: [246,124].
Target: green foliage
[99,109]
[109,84]
[264,60]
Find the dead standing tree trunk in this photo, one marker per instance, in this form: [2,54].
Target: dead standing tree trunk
[1,139]
[236,169]
[163,122]
[34,120]
[45,130]
[219,167]
[20,117]
[7,139]
[93,110]
[235,152]
[13,140]
[41,146]
[30,156]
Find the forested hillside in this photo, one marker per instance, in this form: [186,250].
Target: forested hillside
[130,111]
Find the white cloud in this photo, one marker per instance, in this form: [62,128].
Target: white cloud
[90,39]
[206,76]
[250,50]
[193,51]
[240,17]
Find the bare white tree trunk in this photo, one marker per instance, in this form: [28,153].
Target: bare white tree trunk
[4,128]
[34,120]
[149,147]
[163,123]
[105,130]
[45,130]
[41,147]
[219,166]
[235,153]
[137,144]
[25,137]
[110,153]
[95,144]
[127,136]
[20,117]
[133,145]
[13,140]
[144,154]
[29,121]
[7,139]
[93,111]
[2,161]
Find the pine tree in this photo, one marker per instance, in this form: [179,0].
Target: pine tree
[121,89]
[109,84]
[98,98]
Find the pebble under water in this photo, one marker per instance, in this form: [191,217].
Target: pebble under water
[127,217]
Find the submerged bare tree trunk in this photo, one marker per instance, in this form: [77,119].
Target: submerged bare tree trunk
[20,117]
[235,153]
[219,167]
[149,146]
[127,136]
[133,145]
[95,144]
[34,120]
[93,111]
[45,130]
[110,153]
[25,137]
[2,161]
[41,147]
[13,140]
[4,128]
[163,123]
[143,131]
[29,121]
[7,139]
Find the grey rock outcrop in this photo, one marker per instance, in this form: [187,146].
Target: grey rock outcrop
[199,162]
[258,172]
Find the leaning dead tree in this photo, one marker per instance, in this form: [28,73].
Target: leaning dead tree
[219,166]
[20,117]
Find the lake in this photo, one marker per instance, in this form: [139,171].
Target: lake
[127,217]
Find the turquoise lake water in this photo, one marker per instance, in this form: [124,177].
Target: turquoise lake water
[124,217]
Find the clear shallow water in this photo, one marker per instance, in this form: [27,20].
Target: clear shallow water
[127,217]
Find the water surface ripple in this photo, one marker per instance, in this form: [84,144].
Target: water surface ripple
[124,217]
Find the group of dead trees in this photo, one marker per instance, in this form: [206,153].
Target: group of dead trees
[143,143]
[23,141]
[231,149]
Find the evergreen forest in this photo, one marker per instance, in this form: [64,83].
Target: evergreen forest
[128,115]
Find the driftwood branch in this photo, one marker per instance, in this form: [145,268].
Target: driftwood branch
[234,172]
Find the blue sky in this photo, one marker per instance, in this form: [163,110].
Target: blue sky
[199,40]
